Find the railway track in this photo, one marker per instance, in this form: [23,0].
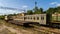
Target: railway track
[46,30]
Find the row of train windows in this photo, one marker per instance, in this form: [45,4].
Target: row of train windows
[42,18]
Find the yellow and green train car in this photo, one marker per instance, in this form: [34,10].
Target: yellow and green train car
[56,18]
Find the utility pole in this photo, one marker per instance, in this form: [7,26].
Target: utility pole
[36,8]
[35,4]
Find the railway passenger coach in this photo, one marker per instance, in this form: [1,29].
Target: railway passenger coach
[36,18]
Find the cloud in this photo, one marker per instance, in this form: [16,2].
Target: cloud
[52,3]
[55,3]
[58,5]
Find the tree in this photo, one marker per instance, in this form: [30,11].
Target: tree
[41,10]
[37,10]
[2,17]
[29,12]
[58,9]
[44,12]
[50,11]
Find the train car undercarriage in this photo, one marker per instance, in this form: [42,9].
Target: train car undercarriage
[52,25]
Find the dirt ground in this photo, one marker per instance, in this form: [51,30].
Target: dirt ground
[8,28]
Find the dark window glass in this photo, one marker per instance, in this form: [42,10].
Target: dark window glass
[25,18]
[37,18]
[34,18]
[42,18]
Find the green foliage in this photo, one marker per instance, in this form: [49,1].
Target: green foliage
[53,10]
[44,12]
[29,12]
[50,11]
[58,9]
[38,11]
[1,17]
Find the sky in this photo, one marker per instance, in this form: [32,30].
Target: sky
[28,4]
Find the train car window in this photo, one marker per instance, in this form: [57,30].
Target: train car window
[28,17]
[25,18]
[34,18]
[42,18]
[37,18]
[31,17]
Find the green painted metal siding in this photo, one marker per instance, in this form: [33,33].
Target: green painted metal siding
[55,18]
